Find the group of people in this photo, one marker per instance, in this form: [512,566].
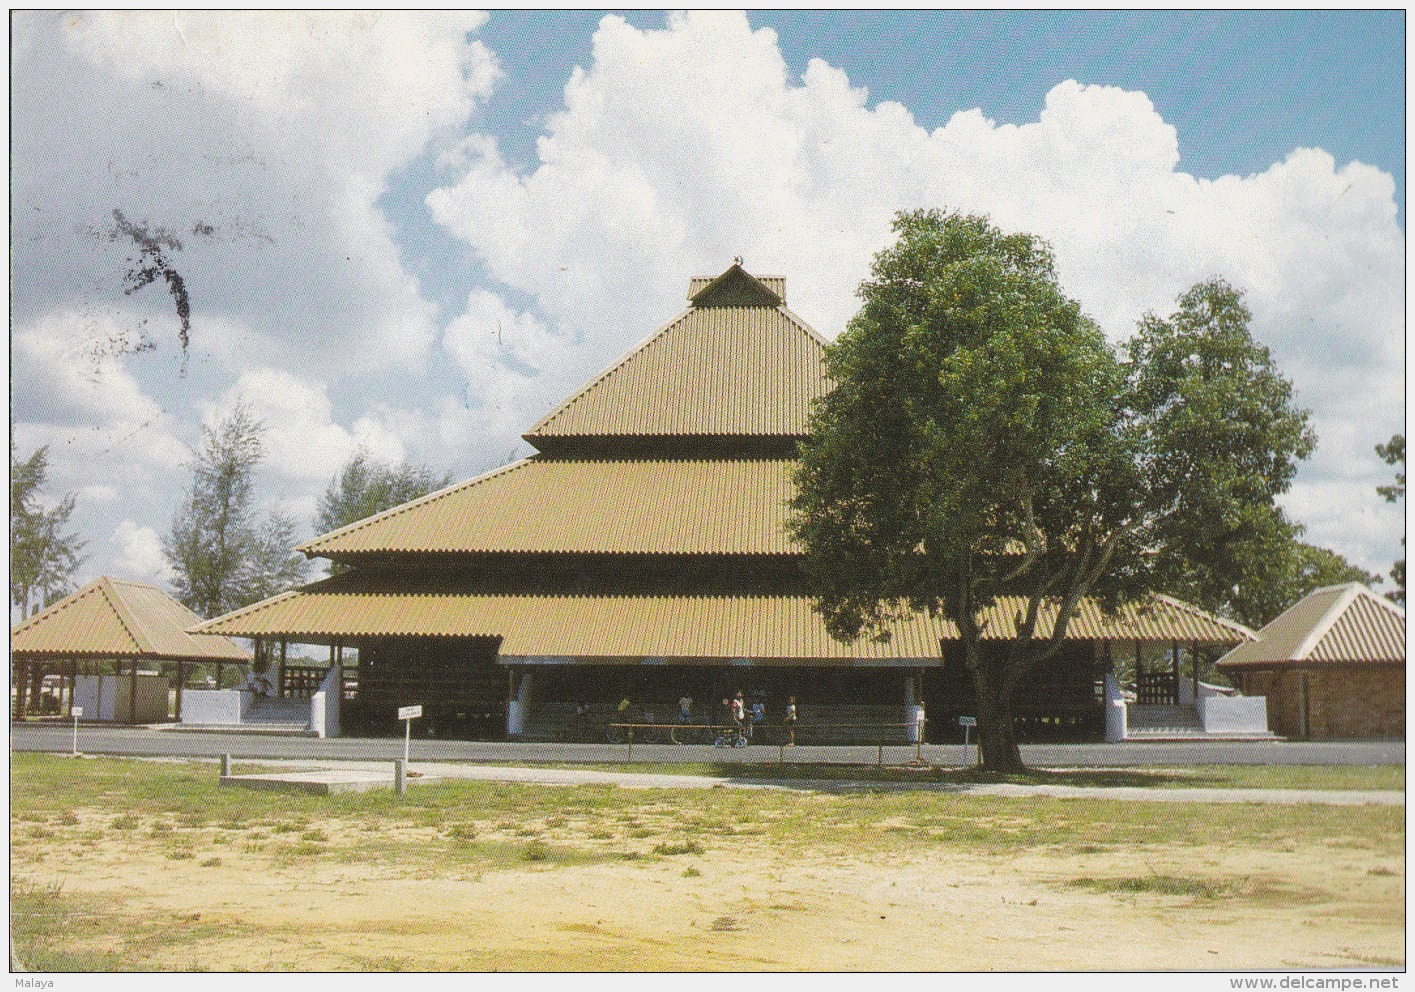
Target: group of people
[745,715]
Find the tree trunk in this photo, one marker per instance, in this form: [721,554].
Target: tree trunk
[997,738]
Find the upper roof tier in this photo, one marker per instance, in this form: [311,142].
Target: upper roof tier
[735,364]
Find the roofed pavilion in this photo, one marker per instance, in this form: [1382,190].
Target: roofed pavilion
[642,552]
[117,621]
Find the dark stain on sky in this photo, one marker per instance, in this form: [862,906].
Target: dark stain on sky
[153,243]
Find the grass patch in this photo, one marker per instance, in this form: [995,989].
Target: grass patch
[49,930]
[692,873]
[1164,885]
[678,847]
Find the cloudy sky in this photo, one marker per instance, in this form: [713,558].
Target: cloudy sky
[416,233]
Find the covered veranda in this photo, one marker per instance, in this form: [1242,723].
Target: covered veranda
[496,664]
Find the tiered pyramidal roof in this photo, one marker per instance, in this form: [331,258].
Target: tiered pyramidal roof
[683,446]
[649,526]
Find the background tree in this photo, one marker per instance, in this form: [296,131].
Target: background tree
[365,487]
[42,557]
[1393,451]
[223,554]
[984,440]
[1261,573]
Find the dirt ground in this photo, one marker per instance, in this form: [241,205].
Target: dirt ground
[739,900]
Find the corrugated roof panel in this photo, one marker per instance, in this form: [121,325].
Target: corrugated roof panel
[116,618]
[1344,623]
[1368,630]
[629,626]
[720,371]
[568,505]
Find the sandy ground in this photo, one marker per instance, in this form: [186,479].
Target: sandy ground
[766,909]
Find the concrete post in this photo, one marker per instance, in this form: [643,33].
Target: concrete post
[225,765]
[400,781]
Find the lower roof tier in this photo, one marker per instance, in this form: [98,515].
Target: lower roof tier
[648,627]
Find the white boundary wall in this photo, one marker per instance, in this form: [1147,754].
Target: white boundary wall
[1234,714]
[215,706]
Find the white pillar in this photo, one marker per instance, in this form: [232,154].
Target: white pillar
[519,707]
[1116,716]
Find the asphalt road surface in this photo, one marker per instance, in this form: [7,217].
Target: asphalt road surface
[141,741]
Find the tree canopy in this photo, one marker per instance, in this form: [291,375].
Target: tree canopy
[984,439]
[224,554]
[42,557]
[1393,451]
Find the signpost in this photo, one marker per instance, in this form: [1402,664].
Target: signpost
[78,712]
[967,723]
[408,714]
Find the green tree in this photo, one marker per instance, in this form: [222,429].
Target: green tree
[365,487]
[1262,573]
[43,557]
[984,440]
[223,554]
[1393,451]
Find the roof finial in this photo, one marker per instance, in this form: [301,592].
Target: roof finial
[737,260]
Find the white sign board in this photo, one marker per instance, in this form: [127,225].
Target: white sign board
[78,711]
[409,712]
[967,721]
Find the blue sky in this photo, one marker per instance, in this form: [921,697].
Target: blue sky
[416,233]
[1243,88]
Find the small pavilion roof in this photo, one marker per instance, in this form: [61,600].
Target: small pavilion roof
[118,618]
[1341,623]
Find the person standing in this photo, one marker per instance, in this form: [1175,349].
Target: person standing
[685,708]
[790,720]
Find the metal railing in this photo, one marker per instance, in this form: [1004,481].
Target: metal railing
[713,733]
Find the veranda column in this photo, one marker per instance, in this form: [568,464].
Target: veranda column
[1194,658]
[133,693]
[1174,667]
[180,679]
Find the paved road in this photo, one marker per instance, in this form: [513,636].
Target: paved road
[141,741]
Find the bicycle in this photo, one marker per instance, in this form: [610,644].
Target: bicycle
[733,737]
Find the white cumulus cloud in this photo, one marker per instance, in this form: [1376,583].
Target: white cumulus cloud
[682,147]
